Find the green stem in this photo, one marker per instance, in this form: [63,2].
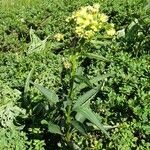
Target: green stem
[70,97]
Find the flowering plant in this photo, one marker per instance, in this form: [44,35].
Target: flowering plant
[86,22]
[89,20]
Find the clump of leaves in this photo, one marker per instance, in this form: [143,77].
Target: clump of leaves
[8,106]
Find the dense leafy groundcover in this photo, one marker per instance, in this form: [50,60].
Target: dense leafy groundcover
[119,66]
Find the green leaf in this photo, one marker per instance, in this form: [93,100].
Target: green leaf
[91,116]
[77,125]
[57,45]
[53,128]
[148,5]
[85,97]
[26,87]
[49,94]
[36,43]
[106,127]
[84,79]
[99,43]
[80,117]
[94,80]
[96,56]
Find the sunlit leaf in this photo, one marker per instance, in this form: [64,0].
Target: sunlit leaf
[53,128]
[84,79]
[91,116]
[106,127]
[77,125]
[85,97]
[49,94]
[94,80]
[36,44]
[97,57]
[80,117]
[26,87]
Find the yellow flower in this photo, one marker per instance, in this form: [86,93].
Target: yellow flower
[68,19]
[100,25]
[112,25]
[79,31]
[89,34]
[96,7]
[95,23]
[103,17]
[89,17]
[111,32]
[67,65]
[79,20]
[89,8]
[59,36]
[82,12]
[86,22]
[94,28]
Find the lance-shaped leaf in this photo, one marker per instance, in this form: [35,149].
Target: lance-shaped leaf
[106,127]
[84,80]
[91,116]
[49,94]
[96,56]
[53,128]
[79,117]
[99,43]
[26,87]
[77,125]
[94,80]
[85,97]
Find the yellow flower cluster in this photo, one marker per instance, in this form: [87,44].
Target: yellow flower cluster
[88,20]
[66,63]
[59,36]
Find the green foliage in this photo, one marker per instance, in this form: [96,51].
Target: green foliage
[91,88]
[45,18]
[13,139]
[8,109]
[135,38]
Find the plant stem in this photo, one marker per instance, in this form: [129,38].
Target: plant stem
[70,97]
